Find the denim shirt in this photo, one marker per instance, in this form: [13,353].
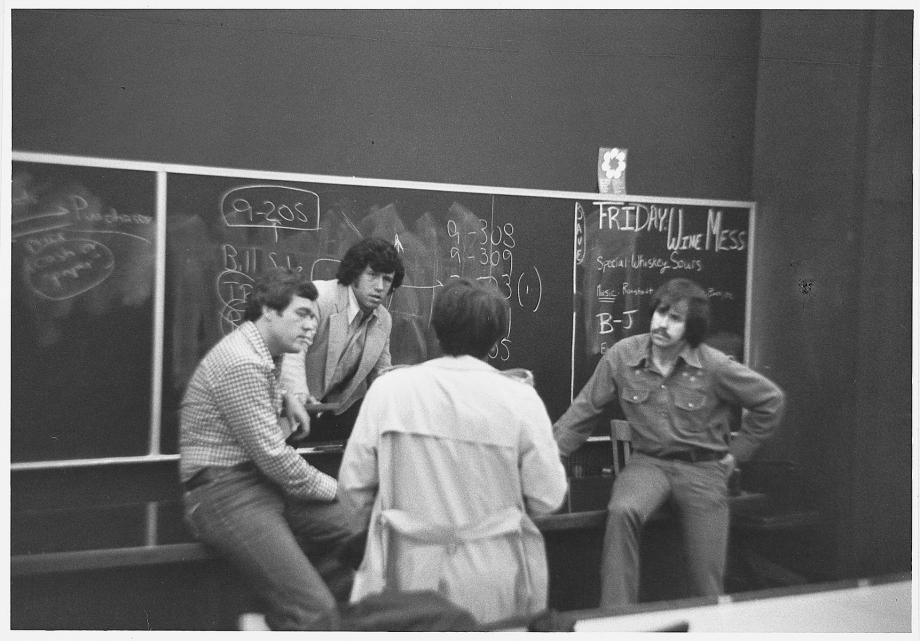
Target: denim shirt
[690,407]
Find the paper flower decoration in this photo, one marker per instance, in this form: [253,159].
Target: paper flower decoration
[614,164]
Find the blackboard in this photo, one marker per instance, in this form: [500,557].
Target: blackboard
[108,326]
[82,280]
[222,231]
[625,249]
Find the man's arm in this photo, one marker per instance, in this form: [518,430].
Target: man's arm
[384,361]
[575,426]
[294,376]
[359,476]
[297,416]
[244,396]
[763,400]
[297,393]
[543,478]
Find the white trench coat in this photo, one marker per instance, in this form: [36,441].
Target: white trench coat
[450,458]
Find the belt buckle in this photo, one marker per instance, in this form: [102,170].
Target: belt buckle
[705,455]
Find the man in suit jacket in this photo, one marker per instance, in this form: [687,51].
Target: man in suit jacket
[352,343]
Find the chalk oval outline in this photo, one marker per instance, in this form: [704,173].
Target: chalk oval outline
[108,268]
[269,224]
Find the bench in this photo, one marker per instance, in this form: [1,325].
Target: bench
[156,576]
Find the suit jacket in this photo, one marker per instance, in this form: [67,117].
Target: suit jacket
[304,374]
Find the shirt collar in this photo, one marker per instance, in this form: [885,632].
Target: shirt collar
[643,354]
[463,361]
[353,308]
[691,356]
[254,336]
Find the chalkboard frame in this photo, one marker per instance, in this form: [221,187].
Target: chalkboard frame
[162,172]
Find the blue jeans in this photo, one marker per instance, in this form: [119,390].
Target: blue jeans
[288,549]
[699,493]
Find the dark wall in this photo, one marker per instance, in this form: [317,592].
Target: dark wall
[808,113]
[507,98]
[832,181]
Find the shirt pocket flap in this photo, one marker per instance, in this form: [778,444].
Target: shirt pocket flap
[634,395]
[689,400]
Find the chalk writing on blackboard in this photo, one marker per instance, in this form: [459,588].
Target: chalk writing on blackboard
[625,250]
[484,250]
[224,231]
[233,288]
[637,217]
[276,206]
[68,267]
[71,241]
[476,247]
[82,284]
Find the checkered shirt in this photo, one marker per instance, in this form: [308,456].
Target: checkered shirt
[230,415]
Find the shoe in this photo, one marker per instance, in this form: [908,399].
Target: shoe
[253,622]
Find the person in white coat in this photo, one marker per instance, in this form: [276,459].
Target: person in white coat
[448,461]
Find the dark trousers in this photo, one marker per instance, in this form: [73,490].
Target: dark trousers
[699,491]
[290,550]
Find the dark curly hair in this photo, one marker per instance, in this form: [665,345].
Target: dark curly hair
[376,252]
[469,317]
[275,288]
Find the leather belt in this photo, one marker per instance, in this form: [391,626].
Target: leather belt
[207,474]
[695,455]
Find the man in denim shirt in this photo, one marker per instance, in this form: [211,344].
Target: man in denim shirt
[678,395]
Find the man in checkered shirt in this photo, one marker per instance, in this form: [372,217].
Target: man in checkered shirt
[247,493]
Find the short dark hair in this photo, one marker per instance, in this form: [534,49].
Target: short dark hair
[676,290]
[469,317]
[376,252]
[274,289]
